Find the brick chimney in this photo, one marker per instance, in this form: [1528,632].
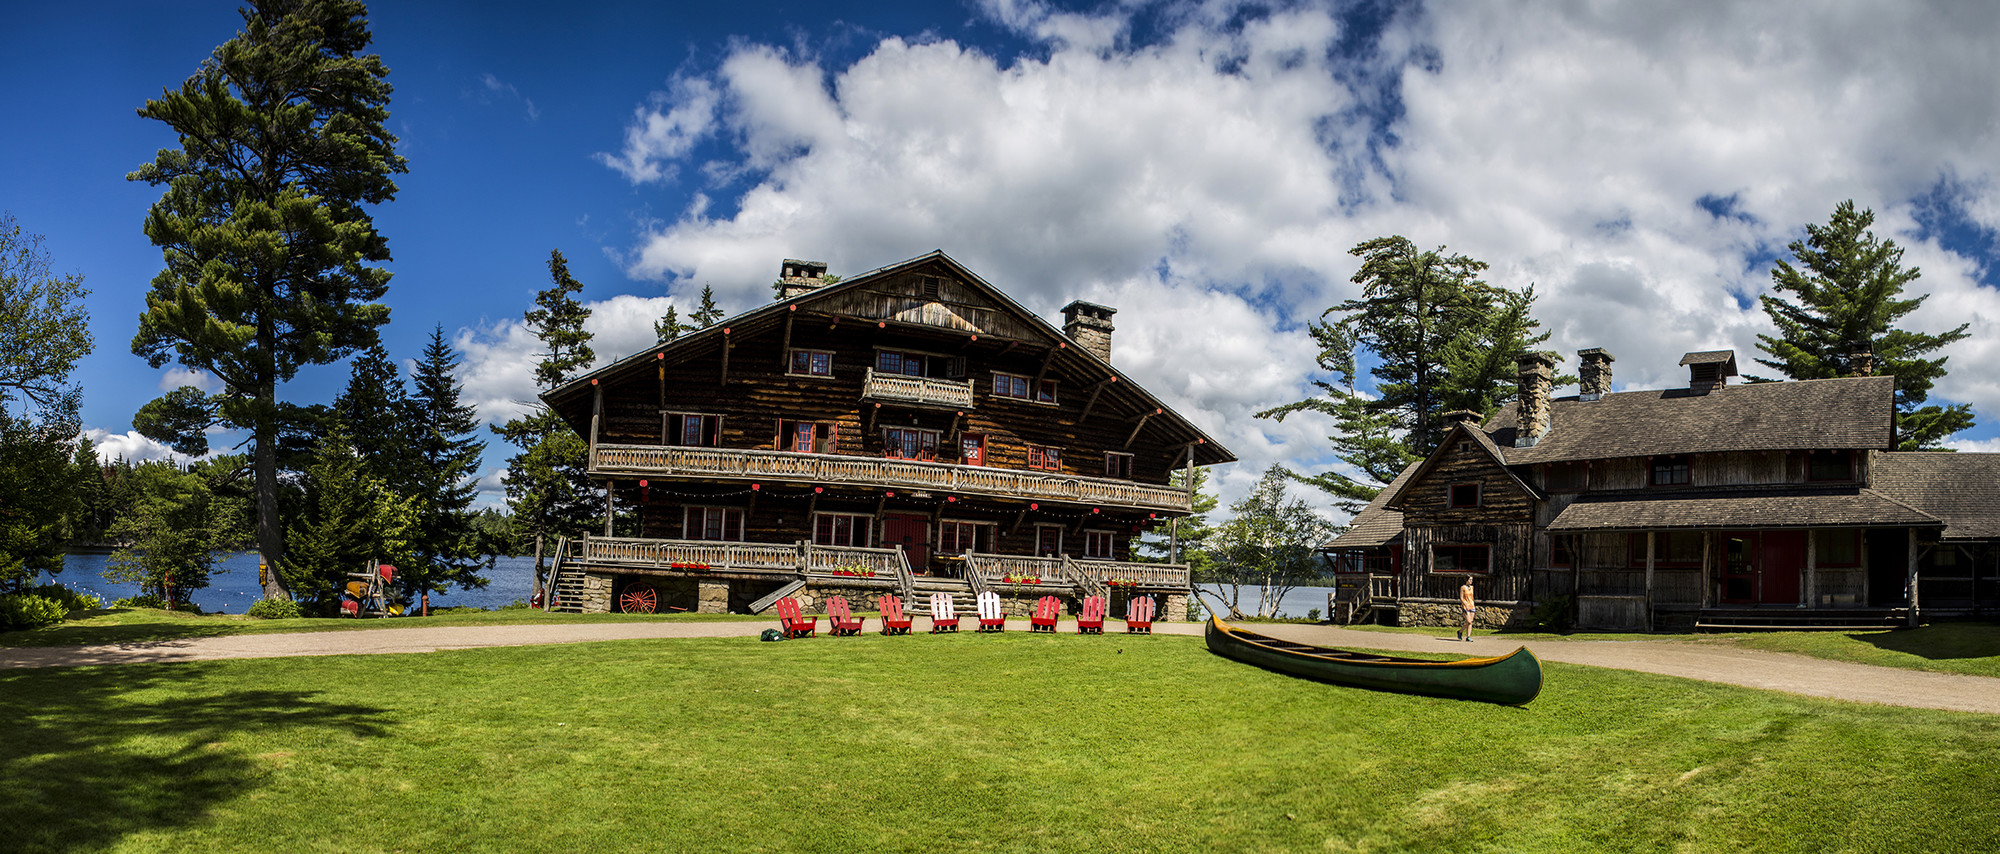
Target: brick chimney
[1531,410]
[1709,370]
[1089,325]
[799,277]
[1594,377]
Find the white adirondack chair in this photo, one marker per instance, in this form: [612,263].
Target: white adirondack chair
[990,618]
[943,617]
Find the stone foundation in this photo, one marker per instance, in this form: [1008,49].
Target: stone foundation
[1449,614]
[733,596]
[597,593]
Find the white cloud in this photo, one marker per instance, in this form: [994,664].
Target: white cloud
[130,446]
[499,368]
[178,376]
[1209,183]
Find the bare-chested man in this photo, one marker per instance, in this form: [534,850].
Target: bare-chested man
[1465,601]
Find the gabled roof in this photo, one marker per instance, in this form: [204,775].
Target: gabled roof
[1834,414]
[1961,489]
[1009,321]
[1376,525]
[1479,438]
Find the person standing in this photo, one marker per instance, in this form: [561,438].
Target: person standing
[1465,602]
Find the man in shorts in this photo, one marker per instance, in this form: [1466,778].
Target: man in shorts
[1465,602]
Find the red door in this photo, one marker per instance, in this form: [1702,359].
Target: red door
[1782,562]
[912,535]
[972,449]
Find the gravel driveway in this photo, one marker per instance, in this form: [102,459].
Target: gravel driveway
[1714,663]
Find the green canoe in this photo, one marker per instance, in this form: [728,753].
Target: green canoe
[1511,679]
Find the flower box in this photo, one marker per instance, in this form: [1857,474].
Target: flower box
[695,566]
[1021,579]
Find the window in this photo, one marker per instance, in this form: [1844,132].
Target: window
[1830,466]
[893,362]
[1048,540]
[1464,495]
[1097,544]
[1010,385]
[972,449]
[812,363]
[712,523]
[1559,550]
[1566,477]
[1117,465]
[1839,547]
[1047,392]
[1462,559]
[689,429]
[955,537]
[1044,458]
[1670,549]
[910,443]
[809,437]
[1669,471]
[841,529]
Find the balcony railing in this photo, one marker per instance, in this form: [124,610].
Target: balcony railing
[708,555]
[1157,575]
[925,391]
[749,465]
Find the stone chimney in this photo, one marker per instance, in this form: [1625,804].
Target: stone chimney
[1531,411]
[1463,416]
[1709,370]
[799,277]
[1594,377]
[1861,359]
[1089,325]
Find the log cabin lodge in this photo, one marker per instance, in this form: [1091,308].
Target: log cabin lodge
[1716,505]
[908,430]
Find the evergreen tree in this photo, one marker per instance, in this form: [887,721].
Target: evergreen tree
[374,409]
[448,548]
[37,507]
[168,530]
[1194,531]
[548,488]
[1442,339]
[345,518]
[1843,323]
[669,326]
[269,250]
[708,313]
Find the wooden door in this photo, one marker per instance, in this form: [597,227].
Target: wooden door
[912,535]
[1782,562]
[1738,581]
[972,449]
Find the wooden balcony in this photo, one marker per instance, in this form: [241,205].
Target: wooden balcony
[713,556]
[783,466]
[992,568]
[923,391]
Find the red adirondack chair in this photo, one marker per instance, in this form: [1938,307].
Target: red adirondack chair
[990,617]
[943,617]
[1047,609]
[893,621]
[796,624]
[1091,621]
[1139,616]
[839,620]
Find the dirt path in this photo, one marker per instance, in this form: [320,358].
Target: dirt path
[1751,668]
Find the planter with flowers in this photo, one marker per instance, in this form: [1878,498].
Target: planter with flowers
[854,571]
[1021,579]
[690,565]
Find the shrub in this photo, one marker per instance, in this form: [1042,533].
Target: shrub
[1312,615]
[275,609]
[143,600]
[1550,615]
[516,605]
[71,600]
[28,611]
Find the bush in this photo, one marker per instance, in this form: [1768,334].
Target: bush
[143,600]
[28,611]
[71,600]
[1312,615]
[516,605]
[275,609]
[1550,615]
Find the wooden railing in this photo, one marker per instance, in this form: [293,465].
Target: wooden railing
[921,390]
[734,464]
[1170,575]
[1091,572]
[791,558]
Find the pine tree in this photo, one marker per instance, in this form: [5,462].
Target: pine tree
[548,487]
[708,313]
[374,409]
[270,254]
[448,549]
[1843,323]
[345,518]
[1193,531]
[669,326]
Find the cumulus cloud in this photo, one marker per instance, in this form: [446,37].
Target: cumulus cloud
[178,376]
[499,368]
[130,446]
[1639,164]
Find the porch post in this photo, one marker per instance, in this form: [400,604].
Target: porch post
[1707,567]
[1809,597]
[1649,581]
[1174,540]
[610,506]
[1910,581]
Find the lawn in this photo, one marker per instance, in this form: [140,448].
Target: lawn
[980,743]
[141,625]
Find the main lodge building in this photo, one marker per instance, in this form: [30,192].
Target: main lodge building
[907,430]
[1711,505]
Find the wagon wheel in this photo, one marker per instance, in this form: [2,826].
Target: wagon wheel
[639,599]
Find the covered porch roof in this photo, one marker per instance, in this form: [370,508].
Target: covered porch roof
[1716,509]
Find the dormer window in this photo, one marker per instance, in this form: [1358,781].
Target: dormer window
[1464,495]
[1676,470]
[1830,466]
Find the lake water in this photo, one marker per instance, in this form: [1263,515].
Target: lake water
[232,587]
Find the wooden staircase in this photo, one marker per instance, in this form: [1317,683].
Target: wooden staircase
[963,600]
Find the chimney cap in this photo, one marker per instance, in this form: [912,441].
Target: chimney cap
[1088,309]
[1463,416]
[1596,353]
[1535,357]
[1726,358]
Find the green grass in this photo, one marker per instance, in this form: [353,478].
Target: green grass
[953,743]
[141,625]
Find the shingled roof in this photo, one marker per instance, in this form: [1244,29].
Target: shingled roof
[1376,525]
[1724,508]
[1961,489]
[1833,414]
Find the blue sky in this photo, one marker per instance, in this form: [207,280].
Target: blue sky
[1202,166]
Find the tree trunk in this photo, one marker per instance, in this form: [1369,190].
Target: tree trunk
[270,537]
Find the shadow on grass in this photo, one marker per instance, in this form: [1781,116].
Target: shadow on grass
[95,755]
[1938,641]
[61,635]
